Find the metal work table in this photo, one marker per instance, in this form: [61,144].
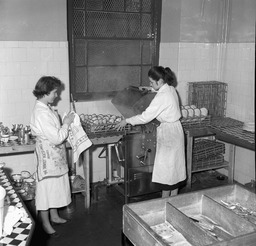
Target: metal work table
[227,130]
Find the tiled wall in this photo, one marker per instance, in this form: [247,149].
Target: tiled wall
[21,65]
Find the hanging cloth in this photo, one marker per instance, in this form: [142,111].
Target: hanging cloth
[77,138]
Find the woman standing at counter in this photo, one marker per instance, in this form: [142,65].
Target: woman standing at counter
[52,187]
[169,165]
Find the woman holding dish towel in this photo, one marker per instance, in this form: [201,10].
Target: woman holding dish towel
[52,181]
[169,165]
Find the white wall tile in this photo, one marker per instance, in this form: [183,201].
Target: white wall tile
[19,54]
[33,54]
[21,65]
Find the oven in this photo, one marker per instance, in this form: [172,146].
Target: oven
[135,152]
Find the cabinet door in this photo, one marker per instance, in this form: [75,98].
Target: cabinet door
[112,45]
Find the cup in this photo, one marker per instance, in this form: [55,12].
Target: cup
[2,197]
[17,178]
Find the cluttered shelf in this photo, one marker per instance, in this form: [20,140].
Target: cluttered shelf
[18,224]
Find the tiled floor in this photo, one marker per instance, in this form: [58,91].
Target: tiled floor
[101,225]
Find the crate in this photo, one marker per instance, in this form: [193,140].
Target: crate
[196,122]
[213,161]
[209,94]
[205,148]
[101,124]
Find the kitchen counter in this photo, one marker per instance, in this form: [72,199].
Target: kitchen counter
[22,230]
[226,129]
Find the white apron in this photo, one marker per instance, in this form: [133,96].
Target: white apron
[51,159]
[169,165]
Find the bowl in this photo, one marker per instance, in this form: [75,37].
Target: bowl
[5,138]
[25,174]
[17,178]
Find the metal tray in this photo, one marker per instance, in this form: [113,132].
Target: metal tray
[180,211]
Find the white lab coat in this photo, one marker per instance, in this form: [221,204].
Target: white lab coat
[169,165]
[52,188]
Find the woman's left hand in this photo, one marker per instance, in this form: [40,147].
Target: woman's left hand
[121,125]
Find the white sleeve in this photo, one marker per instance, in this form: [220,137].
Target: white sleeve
[151,112]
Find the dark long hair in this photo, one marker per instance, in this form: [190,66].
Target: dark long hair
[45,85]
[166,74]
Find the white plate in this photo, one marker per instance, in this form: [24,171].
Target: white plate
[7,184]
[25,174]
[197,112]
[184,113]
[191,112]
[21,191]
[30,180]
[204,111]
[19,205]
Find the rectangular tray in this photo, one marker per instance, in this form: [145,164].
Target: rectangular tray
[138,218]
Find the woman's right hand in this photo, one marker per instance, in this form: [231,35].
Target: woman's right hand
[69,118]
[121,125]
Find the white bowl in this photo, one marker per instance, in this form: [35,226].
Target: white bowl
[5,138]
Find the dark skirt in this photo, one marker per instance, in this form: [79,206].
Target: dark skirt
[165,186]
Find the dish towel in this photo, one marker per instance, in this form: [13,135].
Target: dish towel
[13,215]
[77,138]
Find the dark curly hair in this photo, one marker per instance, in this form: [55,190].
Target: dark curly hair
[159,72]
[45,85]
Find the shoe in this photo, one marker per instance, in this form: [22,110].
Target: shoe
[53,235]
[60,223]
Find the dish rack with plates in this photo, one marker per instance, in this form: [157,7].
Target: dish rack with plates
[102,125]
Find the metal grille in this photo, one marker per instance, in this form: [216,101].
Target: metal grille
[79,4]
[114,5]
[146,6]
[146,26]
[80,52]
[112,44]
[115,78]
[79,22]
[113,25]
[110,52]
[80,78]
[133,6]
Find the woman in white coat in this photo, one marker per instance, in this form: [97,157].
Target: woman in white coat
[52,181]
[169,165]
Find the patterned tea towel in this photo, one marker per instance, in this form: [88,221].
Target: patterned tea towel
[77,138]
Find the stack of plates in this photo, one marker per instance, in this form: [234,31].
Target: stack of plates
[249,126]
